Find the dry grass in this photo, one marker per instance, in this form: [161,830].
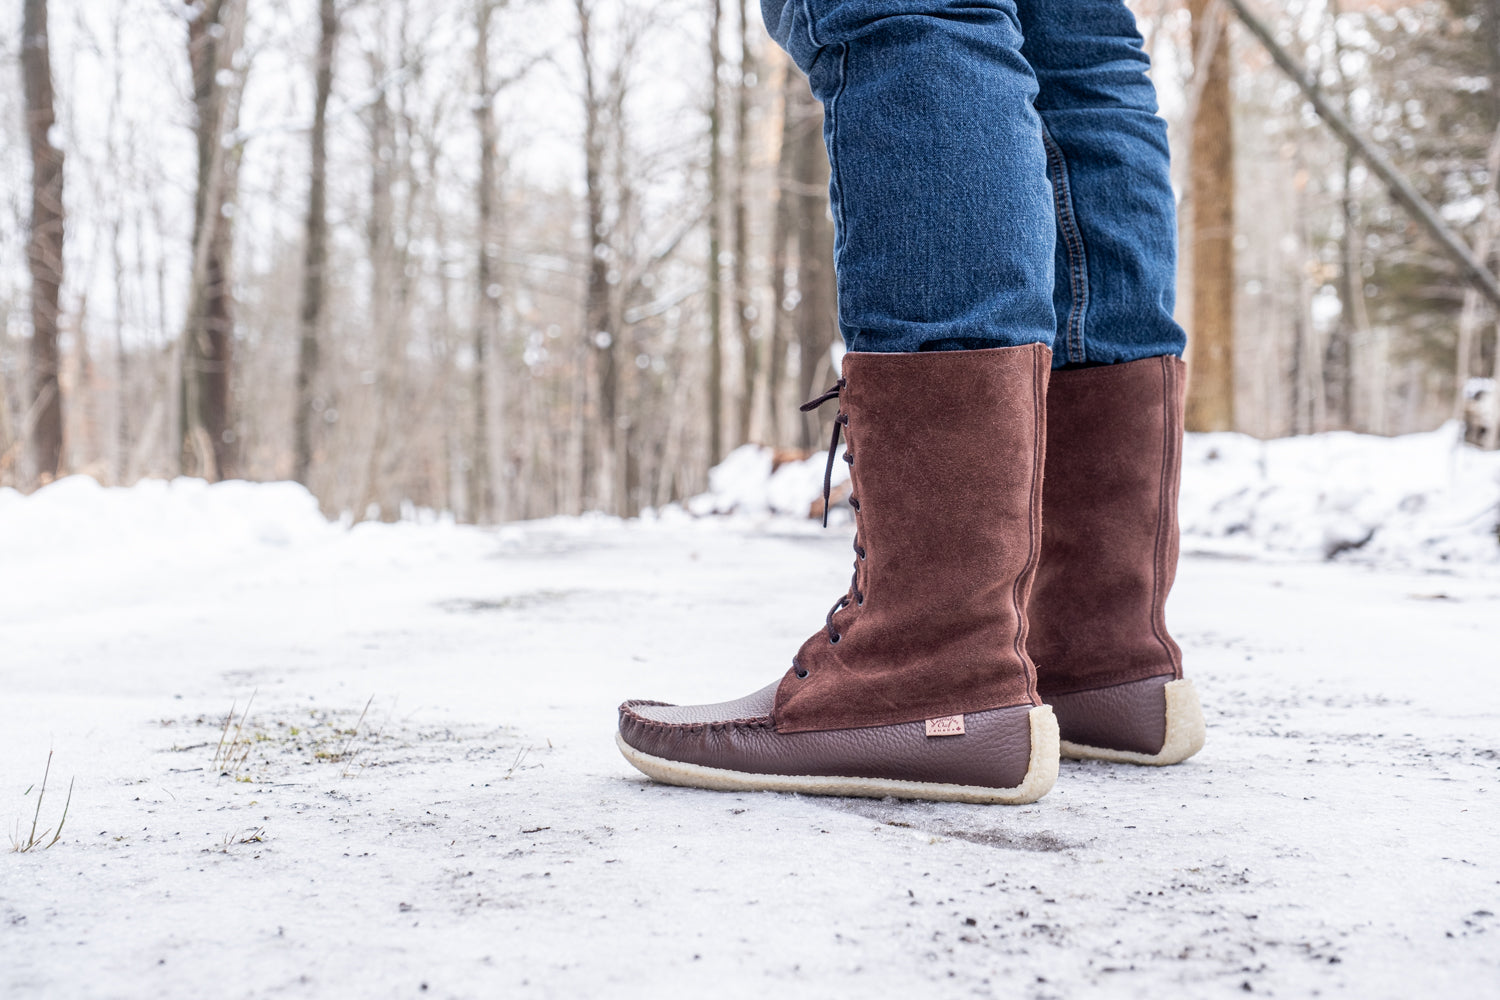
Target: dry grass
[231,757]
[344,754]
[257,835]
[319,734]
[34,841]
[515,765]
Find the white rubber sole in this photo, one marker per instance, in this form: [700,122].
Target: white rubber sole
[1185,733]
[1041,773]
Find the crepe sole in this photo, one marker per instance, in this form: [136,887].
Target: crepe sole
[1185,732]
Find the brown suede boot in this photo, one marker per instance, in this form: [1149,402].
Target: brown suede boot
[1105,662]
[919,686]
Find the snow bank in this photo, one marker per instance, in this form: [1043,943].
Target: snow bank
[1421,499]
[113,546]
[744,483]
[155,519]
[1415,499]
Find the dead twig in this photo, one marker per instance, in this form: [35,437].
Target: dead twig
[520,756]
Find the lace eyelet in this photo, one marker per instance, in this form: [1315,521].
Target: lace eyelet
[833,640]
[801,674]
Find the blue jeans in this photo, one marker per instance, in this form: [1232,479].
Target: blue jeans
[999,174]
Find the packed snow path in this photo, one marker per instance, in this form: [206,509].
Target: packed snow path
[476,834]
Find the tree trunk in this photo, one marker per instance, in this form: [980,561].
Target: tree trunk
[315,254]
[1490,439]
[120,466]
[1338,360]
[1353,324]
[1475,308]
[44,251]
[1310,404]
[1210,402]
[208,440]
[816,315]
[600,336]
[781,236]
[120,445]
[385,273]
[626,404]
[746,320]
[715,242]
[487,292]
[1491,15]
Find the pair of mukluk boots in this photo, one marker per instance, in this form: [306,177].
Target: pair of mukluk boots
[1015,542]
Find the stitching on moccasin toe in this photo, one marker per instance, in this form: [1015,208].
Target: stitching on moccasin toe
[763,722]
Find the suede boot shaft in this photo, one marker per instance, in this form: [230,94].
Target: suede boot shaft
[1110,533]
[946,453]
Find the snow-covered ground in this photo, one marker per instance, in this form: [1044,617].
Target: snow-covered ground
[426,799]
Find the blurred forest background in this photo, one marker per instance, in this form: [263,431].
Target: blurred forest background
[511,258]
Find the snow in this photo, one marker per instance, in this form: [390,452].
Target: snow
[432,802]
[1416,500]
[745,483]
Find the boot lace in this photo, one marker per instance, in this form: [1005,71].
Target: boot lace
[855,595]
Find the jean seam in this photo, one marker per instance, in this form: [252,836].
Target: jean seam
[836,201]
[835,161]
[1067,226]
[812,35]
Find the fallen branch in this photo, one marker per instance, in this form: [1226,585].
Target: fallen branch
[1396,183]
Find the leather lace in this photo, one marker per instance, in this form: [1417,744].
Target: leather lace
[855,595]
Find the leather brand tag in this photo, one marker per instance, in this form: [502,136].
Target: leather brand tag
[948,725]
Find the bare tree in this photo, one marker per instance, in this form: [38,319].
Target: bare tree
[599,334]
[1469,345]
[1309,400]
[815,317]
[1491,19]
[44,251]
[315,254]
[781,233]
[1354,318]
[715,242]
[1210,402]
[487,290]
[388,318]
[120,162]
[804,306]
[1474,307]
[746,327]
[215,31]
[624,472]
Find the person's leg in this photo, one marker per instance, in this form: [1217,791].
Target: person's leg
[943,214]
[1108,160]
[918,684]
[1105,660]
